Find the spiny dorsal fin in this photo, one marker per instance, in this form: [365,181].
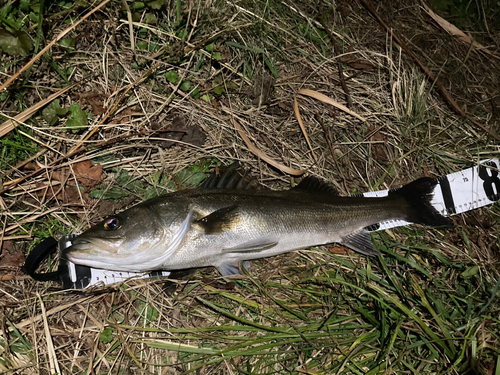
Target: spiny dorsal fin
[314,185]
[231,178]
[219,221]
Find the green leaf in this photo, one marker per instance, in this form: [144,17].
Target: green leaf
[106,336]
[34,17]
[210,47]
[138,5]
[142,45]
[52,112]
[77,119]
[208,98]
[219,90]
[217,56]
[157,4]
[16,43]
[186,86]
[195,94]
[68,42]
[469,272]
[150,19]
[115,193]
[172,77]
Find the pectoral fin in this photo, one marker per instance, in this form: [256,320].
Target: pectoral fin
[361,242]
[219,221]
[262,243]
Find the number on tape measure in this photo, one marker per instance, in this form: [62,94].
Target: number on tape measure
[491,183]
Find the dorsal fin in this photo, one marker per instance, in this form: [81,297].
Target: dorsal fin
[231,178]
[314,185]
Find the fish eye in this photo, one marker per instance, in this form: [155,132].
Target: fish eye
[111,224]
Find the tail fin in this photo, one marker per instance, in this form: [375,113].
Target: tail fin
[418,195]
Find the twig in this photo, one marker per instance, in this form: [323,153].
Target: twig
[429,74]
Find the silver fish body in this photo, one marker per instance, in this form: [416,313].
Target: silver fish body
[221,227]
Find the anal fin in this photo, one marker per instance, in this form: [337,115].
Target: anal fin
[361,242]
[227,269]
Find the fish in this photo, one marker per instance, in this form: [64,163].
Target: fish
[227,227]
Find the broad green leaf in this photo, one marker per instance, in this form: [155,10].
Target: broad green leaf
[172,77]
[208,98]
[68,42]
[116,193]
[217,56]
[195,94]
[150,19]
[52,112]
[16,43]
[138,5]
[219,90]
[157,4]
[77,119]
[142,45]
[186,86]
[106,336]
[210,47]
[469,272]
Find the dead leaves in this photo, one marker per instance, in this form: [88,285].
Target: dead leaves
[95,100]
[62,185]
[180,131]
[356,63]
[10,260]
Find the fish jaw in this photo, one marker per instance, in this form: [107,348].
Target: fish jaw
[108,254]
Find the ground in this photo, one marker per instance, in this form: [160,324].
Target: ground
[147,98]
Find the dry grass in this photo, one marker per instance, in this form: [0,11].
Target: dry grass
[428,306]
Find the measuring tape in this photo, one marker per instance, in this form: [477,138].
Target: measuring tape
[454,193]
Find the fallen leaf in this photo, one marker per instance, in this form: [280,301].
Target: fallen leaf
[340,250]
[357,63]
[88,174]
[95,100]
[380,152]
[194,136]
[14,260]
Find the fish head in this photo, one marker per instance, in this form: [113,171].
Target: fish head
[122,242]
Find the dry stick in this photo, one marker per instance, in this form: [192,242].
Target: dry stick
[327,136]
[339,64]
[429,74]
[47,47]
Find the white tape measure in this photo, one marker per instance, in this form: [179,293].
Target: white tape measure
[455,193]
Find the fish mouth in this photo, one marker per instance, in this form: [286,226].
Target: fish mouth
[91,251]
